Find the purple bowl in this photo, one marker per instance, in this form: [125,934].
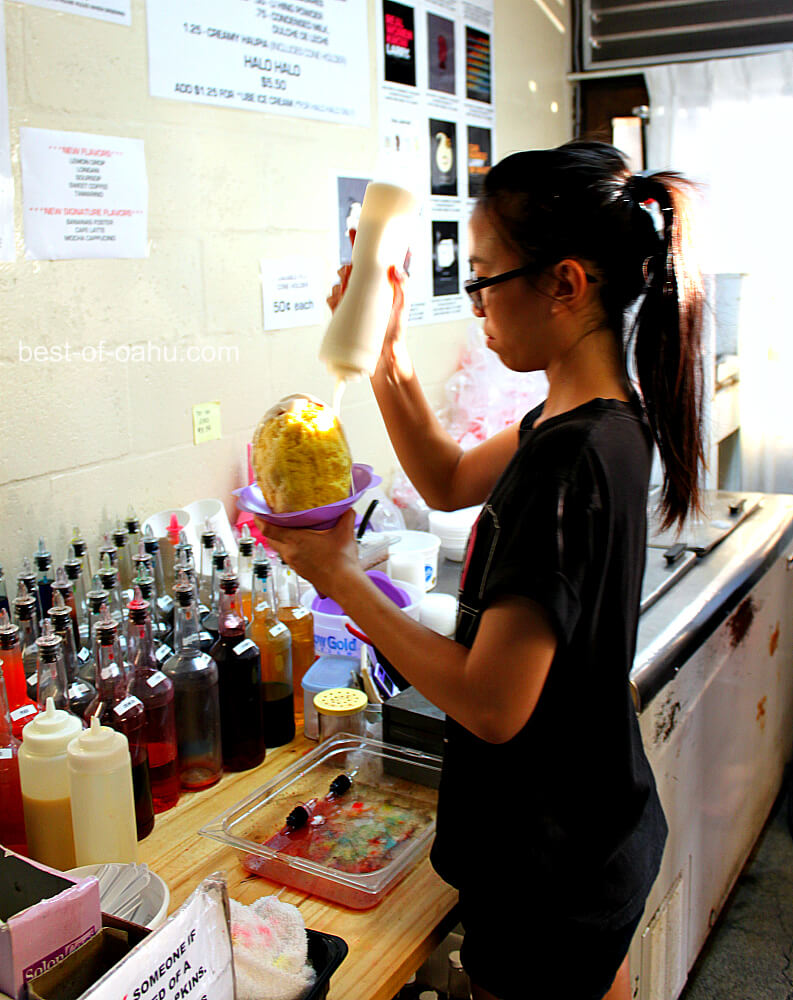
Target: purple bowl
[400,597]
[250,499]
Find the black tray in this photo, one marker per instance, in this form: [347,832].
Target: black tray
[326,952]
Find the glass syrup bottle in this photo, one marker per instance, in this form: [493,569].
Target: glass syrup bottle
[12,817]
[120,537]
[245,545]
[43,560]
[161,640]
[155,690]
[21,707]
[132,524]
[51,670]
[80,549]
[108,580]
[108,549]
[96,598]
[124,713]
[239,670]
[163,604]
[4,603]
[300,622]
[81,692]
[194,675]
[28,577]
[26,619]
[205,577]
[74,574]
[275,648]
[62,586]
[219,559]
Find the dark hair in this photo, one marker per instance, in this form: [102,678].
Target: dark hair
[581,200]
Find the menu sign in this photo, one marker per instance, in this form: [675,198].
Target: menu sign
[302,58]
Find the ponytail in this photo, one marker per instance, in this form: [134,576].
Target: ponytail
[581,200]
[667,345]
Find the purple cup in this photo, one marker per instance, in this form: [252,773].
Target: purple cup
[250,499]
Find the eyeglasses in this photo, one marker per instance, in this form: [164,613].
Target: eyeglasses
[474,286]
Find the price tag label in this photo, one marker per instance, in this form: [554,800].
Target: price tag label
[127,705]
[244,646]
[23,712]
[156,678]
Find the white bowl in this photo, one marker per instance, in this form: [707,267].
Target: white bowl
[156,895]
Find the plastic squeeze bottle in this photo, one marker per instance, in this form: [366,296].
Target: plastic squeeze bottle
[352,341]
[103,805]
[46,800]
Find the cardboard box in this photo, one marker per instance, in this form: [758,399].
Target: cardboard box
[44,916]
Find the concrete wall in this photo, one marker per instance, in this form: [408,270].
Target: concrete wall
[81,442]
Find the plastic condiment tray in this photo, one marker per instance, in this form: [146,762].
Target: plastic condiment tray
[354,848]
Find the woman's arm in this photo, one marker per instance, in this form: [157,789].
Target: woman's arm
[491,689]
[445,475]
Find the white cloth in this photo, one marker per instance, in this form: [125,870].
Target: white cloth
[270,950]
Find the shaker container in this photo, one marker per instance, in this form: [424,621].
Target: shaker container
[341,710]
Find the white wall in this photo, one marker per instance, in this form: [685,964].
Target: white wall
[80,442]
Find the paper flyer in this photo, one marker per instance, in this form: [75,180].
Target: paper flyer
[83,196]
[118,11]
[300,58]
[437,128]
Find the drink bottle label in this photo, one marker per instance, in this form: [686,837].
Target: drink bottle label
[244,646]
[128,703]
[23,712]
[156,678]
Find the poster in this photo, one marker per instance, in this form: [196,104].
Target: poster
[437,134]
[83,196]
[117,11]
[301,58]
[292,292]
[6,177]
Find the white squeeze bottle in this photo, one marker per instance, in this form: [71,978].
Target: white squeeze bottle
[44,778]
[352,341]
[103,806]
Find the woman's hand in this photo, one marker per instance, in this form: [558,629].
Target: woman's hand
[324,558]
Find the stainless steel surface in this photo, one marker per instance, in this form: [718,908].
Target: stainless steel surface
[724,511]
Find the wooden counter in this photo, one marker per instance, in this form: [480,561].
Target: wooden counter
[386,943]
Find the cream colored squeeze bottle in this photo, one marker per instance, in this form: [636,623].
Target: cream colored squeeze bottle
[103,805]
[352,341]
[46,800]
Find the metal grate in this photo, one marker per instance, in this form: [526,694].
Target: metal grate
[613,33]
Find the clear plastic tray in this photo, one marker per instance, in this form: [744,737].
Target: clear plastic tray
[355,846]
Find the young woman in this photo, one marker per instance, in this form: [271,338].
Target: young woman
[549,822]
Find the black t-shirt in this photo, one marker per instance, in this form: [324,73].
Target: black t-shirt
[565,813]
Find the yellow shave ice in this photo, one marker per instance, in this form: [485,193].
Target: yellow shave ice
[300,455]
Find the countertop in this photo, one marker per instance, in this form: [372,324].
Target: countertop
[386,943]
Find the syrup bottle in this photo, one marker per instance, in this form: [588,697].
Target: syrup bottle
[80,549]
[160,638]
[133,527]
[81,693]
[96,599]
[239,668]
[163,603]
[52,684]
[43,561]
[124,713]
[275,648]
[108,580]
[21,707]
[194,675]
[74,574]
[124,563]
[26,619]
[155,690]
[245,569]
[63,588]
[219,558]
[108,549]
[4,604]
[206,639]
[12,817]
[300,622]
[29,579]
[207,548]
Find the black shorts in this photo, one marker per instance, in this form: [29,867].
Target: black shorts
[526,954]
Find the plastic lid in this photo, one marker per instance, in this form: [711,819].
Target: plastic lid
[98,749]
[328,672]
[413,541]
[340,701]
[49,734]
[439,612]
